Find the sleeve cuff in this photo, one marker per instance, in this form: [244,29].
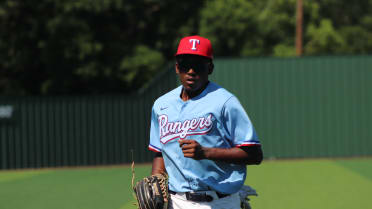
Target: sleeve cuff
[154,148]
[249,144]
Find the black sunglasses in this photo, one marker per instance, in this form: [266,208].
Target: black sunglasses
[197,66]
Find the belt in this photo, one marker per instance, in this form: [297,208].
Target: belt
[200,196]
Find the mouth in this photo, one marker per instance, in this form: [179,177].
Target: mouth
[190,81]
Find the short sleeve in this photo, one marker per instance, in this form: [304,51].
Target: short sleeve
[238,125]
[154,145]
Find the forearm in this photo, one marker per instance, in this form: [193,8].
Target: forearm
[158,165]
[248,156]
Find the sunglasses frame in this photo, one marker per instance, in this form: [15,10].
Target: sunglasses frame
[197,65]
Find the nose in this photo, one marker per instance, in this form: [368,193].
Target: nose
[191,71]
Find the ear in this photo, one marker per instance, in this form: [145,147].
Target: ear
[210,68]
[177,69]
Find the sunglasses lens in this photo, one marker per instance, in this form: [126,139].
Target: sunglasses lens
[196,66]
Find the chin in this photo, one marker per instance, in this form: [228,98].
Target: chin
[191,88]
[188,88]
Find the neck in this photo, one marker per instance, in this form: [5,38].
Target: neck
[186,95]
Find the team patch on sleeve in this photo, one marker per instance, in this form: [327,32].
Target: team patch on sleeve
[249,143]
[154,148]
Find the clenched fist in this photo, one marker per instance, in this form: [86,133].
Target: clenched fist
[192,149]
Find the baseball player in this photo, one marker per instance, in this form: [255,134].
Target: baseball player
[201,135]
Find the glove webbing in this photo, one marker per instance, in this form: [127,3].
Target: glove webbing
[163,182]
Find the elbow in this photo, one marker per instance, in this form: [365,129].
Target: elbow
[259,159]
[256,156]
[255,160]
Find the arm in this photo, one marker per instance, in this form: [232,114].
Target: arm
[237,155]
[158,164]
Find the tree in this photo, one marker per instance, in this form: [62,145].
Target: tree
[267,28]
[115,46]
[84,46]
[351,25]
[233,28]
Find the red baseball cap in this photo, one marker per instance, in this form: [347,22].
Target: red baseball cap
[196,45]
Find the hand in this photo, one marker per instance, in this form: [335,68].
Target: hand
[192,149]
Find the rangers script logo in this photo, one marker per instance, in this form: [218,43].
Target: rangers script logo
[173,130]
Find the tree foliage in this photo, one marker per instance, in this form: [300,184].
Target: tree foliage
[86,46]
[52,47]
[267,28]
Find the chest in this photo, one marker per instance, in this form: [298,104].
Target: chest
[178,121]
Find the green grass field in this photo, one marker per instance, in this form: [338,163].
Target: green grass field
[281,184]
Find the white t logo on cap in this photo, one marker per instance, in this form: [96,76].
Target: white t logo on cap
[194,42]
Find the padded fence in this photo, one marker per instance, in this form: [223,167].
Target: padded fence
[301,107]
[307,107]
[78,130]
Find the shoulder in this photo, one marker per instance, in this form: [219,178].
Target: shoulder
[223,98]
[168,97]
[216,91]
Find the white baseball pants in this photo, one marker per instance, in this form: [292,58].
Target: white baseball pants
[179,201]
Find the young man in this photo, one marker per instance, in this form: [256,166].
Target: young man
[201,135]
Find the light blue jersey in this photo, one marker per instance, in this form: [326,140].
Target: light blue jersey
[215,118]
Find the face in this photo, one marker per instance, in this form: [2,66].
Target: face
[193,72]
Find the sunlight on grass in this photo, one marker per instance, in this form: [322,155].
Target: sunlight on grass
[6,176]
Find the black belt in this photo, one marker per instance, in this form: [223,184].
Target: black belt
[200,197]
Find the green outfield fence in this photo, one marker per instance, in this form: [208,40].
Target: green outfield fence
[301,107]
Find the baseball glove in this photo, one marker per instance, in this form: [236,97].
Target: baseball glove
[152,192]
